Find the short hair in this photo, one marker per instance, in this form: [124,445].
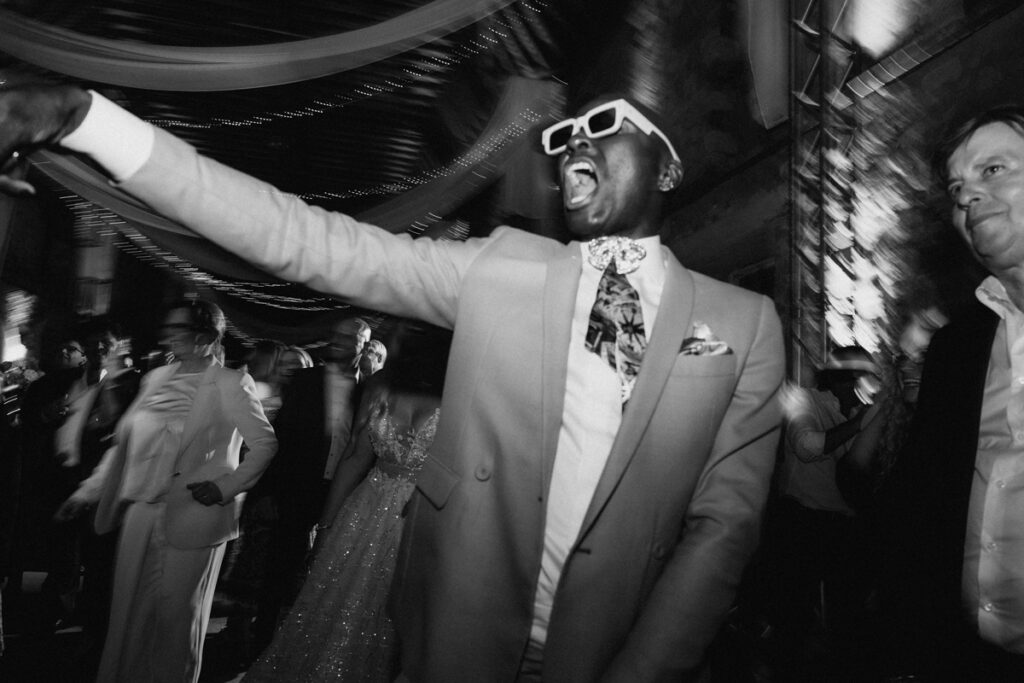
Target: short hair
[378,345]
[99,330]
[303,357]
[263,359]
[846,363]
[205,316]
[359,322]
[1010,114]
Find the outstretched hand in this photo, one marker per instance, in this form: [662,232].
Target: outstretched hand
[32,117]
[206,492]
[70,509]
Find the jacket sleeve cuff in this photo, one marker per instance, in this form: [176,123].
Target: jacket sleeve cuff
[117,140]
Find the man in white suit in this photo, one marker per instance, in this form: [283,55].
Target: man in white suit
[608,432]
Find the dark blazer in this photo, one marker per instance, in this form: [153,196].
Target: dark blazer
[928,496]
[295,476]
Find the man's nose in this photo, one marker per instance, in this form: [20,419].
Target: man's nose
[970,193]
[579,141]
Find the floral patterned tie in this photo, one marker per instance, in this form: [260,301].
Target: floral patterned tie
[616,328]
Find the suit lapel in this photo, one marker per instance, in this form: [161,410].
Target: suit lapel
[559,303]
[673,321]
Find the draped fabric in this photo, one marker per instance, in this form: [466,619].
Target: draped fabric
[192,69]
[504,151]
[525,103]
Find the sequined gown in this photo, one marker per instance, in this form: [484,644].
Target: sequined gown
[338,629]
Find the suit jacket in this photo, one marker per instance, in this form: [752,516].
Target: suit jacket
[928,495]
[114,393]
[676,513]
[224,412]
[296,475]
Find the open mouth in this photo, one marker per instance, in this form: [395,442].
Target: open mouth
[579,180]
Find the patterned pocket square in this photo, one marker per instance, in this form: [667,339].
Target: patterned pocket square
[702,342]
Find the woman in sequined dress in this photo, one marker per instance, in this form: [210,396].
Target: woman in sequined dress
[338,629]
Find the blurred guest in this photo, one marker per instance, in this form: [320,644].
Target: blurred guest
[261,364]
[244,574]
[955,590]
[814,539]
[373,357]
[291,360]
[49,404]
[342,602]
[172,481]
[10,479]
[83,439]
[313,428]
[886,424]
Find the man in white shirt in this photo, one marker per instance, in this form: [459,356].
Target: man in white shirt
[956,580]
[607,433]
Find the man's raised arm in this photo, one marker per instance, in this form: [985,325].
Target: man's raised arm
[274,230]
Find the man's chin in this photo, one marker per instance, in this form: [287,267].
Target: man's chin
[583,223]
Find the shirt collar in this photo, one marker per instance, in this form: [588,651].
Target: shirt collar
[992,294]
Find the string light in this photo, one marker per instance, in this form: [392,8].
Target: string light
[475,156]
[427,67]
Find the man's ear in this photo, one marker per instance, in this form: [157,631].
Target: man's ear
[671,175]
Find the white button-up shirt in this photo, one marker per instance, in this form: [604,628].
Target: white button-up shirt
[993,573]
[590,420]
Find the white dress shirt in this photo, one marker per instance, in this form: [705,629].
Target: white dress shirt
[993,573]
[590,421]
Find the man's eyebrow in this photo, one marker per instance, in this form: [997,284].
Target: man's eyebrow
[981,163]
[995,156]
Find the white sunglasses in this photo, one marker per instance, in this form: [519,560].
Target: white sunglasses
[601,121]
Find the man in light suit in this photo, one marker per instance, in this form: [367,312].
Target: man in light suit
[172,480]
[956,563]
[608,431]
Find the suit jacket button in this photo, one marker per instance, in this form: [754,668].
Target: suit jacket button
[483,472]
[659,552]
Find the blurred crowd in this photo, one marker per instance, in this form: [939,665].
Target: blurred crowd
[60,423]
[810,595]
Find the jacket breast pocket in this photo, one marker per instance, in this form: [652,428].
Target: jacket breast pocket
[704,366]
[436,481]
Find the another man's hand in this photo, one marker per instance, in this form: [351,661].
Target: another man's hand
[71,508]
[32,117]
[206,492]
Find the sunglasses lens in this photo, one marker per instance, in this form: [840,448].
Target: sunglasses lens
[557,136]
[602,123]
